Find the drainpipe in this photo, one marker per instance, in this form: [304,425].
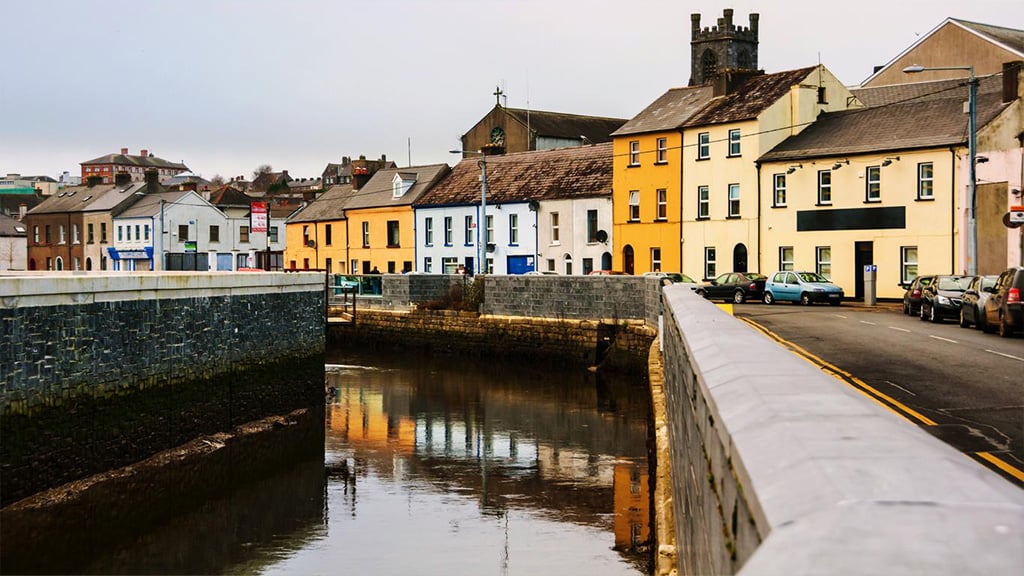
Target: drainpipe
[953,198]
[682,241]
[760,217]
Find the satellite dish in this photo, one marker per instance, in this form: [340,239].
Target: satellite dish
[534,205]
[601,236]
[311,243]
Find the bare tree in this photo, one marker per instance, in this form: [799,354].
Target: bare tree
[217,180]
[262,169]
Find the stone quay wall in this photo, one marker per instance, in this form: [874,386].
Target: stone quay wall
[778,468]
[103,370]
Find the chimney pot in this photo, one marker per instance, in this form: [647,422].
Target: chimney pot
[144,153]
[124,151]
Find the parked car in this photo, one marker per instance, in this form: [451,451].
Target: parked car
[972,311]
[912,297]
[802,287]
[673,278]
[1003,308]
[541,273]
[942,297]
[735,286]
[607,273]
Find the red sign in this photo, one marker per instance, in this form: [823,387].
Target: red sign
[258,217]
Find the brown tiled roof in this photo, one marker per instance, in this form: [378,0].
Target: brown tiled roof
[749,100]
[227,195]
[935,119]
[327,207]
[597,129]
[668,112]
[584,171]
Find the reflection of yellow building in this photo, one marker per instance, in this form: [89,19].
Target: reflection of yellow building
[632,505]
[358,415]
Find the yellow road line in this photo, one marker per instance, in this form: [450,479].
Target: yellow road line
[1002,465]
[860,385]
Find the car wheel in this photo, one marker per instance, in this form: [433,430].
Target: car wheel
[768,298]
[1004,327]
[921,314]
[805,299]
[931,315]
[702,294]
[980,323]
[963,319]
[835,302]
[739,297]
[906,308]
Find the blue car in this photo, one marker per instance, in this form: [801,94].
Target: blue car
[803,287]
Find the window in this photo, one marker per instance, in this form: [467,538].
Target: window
[60,231]
[513,229]
[428,264]
[145,228]
[874,184]
[592,226]
[214,233]
[490,230]
[447,230]
[103,232]
[824,261]
[551,264]
[128,233]
[662,204]
[925,190]
[634,205]
[656,259]
[734,200]
[785,257]
[366,234]
[554,228]
[272,233]
[468,230]
[824,186]
[305,235]
[328,236]
[908,263]
[428,233]
[138,236]
[662,157]
[449,264]
[47,236]
[779,199]
[243,234]
[703,203]
[588,266]
[120,233]
[709,262]
[182,232]
[394,240]
[567,262]
[734,142]
[74,235]
[35,234]
[354,266]
[703,146]
[634,153]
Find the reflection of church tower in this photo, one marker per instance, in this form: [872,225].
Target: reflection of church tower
[724,47]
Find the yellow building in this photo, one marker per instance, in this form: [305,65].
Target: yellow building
[883,185]
[317,235]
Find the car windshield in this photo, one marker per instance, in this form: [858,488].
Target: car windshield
[685,279]
[756,276]
[812,277]
[988,281]
[954,283]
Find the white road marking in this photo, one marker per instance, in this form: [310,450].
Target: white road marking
[900,329]
[900,387]
[839,316]
[943,339]
[869,323]
[1005,355]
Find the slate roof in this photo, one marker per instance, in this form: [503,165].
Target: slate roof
[669,112]
[10,227]
[86,198]
[149,205]
[577,172]
[935,119]
[328,206]
[1009,37]
[597,129]
[752,98]
[376,193]
[135,160]
[11,201]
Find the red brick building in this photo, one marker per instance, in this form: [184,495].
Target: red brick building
[136,165]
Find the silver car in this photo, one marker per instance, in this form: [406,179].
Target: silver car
[972,311]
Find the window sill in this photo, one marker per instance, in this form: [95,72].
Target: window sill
[632,165]
[393,246]
[823,204]
[779,206]
[703,158]
[632,221]
[660,220]
[732,217]
[872,201]
[664,163]
[702,218]
[932,199]
[734,155]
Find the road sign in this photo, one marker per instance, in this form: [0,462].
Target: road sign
[1017,214]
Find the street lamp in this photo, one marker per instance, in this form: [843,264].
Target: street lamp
[972,151]
[482,219]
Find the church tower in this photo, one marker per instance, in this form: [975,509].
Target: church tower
[726,47]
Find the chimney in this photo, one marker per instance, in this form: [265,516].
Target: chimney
[93,181]
[22,210]
[361,173]
[152,181]
[144,153]
[122,179]
[124,151]
[383,158]
[1011,80]
[729,81]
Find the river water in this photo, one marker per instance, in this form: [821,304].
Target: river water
[428,466]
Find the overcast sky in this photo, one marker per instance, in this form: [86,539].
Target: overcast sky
[227,85]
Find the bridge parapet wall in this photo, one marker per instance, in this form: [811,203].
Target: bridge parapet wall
[777,468]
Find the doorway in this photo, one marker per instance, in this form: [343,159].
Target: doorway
[627,259]
[864,254]
[739,258]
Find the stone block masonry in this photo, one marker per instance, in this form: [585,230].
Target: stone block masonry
[100,371]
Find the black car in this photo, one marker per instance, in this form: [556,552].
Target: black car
[912,297]
[1003,308]
[942,297]
[972,311]
[737,287]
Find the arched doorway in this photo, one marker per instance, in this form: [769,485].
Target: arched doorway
[58,264]
[32,264]
[739,258]
[88,263]
[606,261]
[627,259]
[567,259]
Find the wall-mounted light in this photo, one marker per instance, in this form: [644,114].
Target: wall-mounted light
[890,160]
[794,168]
[980,159]
[839,164]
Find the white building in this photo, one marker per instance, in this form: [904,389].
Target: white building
[574,235]
[446,237]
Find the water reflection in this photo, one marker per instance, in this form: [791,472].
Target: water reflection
[468,469]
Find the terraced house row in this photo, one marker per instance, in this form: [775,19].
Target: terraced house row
[739,171]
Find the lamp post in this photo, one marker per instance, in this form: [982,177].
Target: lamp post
[972,152]
[482,219]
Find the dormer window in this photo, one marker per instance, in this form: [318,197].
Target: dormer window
[401,183]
